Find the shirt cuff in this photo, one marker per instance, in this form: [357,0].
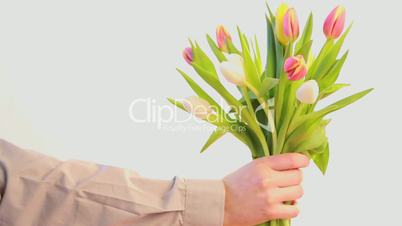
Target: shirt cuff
[205,203]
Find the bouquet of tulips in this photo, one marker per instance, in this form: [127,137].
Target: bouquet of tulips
[276,111]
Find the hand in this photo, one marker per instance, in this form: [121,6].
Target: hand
[256,192]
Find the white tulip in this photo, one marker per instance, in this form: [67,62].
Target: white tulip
[197,106]
[308,92]
[233,69]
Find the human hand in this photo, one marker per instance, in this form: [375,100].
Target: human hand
[256,193]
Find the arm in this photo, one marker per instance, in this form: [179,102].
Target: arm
[39,190]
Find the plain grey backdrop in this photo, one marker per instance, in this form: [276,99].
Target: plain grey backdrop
[69,71]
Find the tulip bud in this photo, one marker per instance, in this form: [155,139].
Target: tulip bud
[291,25]
[295,67]
[222,36]
[188,55]
[287,24]
[279,20]
[308,92]
[335,23]
[197,106]
[233,69]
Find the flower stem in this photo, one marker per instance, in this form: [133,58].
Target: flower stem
[265,106]
[252,122]
[271,121]
[248,102]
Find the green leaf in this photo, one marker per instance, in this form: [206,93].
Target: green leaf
[321,159]
[306,36]
[347,101]
[331,108]
[330,90]
[216,135]
[271,14]
[333,74]
[217,86]
[201,59]
[252,75]
[318,150]
[323,52]
[270,67]
[200,92]
[232,48]
[279,58]
[330,58]
[309,136]
[211,119]
[215,49]
[209,77]
[313,138]
[177,103]
[267,84]
[257,56]
[243,136]
[305,50]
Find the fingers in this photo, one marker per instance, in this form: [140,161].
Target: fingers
[288,178]
[287,161]
[281,195]
[282,211]
[289,193]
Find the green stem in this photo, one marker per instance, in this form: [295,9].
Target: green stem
[285,223]
[281,88]
[260,136]
[299,109]
[248,102]
[276,223]
[271,121]
[252,123]
[265,224]
[286,119]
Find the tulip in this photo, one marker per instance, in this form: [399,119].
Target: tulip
[295,67]
[308,92]
[287,24]
[197,106]
[335,23]
[188,55]
[291,25]
[233,69]
[223,36]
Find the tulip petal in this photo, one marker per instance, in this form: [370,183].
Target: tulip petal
[308,92]
[279,21]
[329,23]
[335,22]
[233,69]
[295,67]
[291,24]
[188,55]
[291,63]
[197,106]
[222,37]
[339,26]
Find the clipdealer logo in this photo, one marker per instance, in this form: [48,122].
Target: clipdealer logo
[167,117]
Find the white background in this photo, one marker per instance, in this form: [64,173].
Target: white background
[70,69]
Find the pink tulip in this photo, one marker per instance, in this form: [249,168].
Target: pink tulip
[335,23]
[291,25]
[222,36]
[188,55]
[295,67]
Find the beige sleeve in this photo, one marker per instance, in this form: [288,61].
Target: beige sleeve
[39,190]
